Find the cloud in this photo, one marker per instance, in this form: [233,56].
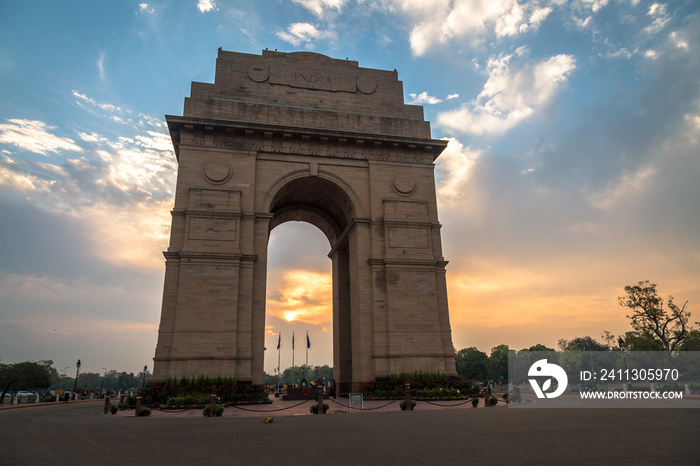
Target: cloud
[542,238]
[144,8]
[101,66]
[453,170]
[120,190]
[439,22]
[510,96]
[34,136]
[118,114]
[452,96]
[205,5]
[321,7]
[305,33]
[301,295]
[424,98]
[659,12]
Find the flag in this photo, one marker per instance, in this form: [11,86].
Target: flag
[308,342]
[279,340]
[292,340]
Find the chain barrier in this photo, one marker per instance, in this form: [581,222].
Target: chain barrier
[270,410]
[173,410]
[362,409]
[448,406]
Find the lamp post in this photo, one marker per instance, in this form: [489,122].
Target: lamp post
[145,368]
[621,342]
[75,385]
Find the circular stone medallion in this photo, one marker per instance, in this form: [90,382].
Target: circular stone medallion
[258,73]
[217,171]
[366,86]
[403,185]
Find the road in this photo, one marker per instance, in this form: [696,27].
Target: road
[78,433]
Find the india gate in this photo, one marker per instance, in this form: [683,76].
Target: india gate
[300,136]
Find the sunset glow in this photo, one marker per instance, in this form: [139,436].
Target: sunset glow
[571,169]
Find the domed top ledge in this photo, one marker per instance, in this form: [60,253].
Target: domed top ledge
[306,89]
[309,56]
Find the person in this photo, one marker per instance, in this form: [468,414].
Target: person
[66,396]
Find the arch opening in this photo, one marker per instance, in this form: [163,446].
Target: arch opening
[299,297]
[328,207]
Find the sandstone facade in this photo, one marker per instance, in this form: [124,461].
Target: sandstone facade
[300,136]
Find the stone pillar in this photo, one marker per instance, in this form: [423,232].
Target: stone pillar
[212,402]
[409,404]
[319,395]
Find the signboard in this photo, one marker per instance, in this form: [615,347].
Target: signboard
[356,399]
[305,391]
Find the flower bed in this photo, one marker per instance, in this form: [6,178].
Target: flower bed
[190,393]
[429,386]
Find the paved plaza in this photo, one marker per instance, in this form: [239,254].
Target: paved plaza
[78,433]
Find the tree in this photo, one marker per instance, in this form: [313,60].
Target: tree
[581,344]
[472,364]
[498,362]
[692,341]
[663,328]
[23,376]
[538,347]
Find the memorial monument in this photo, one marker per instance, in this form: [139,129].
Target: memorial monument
[304,137]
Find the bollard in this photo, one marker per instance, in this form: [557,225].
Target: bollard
[106,404]
[121,398]
[138,400]
[319,395]
[57,397]
[409,407]
[487,396]
[212,402]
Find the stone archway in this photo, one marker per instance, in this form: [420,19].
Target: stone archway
[321,202]
[301,136]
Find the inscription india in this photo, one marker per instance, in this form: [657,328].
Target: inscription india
[312,79]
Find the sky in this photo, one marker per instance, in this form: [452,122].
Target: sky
[572,169]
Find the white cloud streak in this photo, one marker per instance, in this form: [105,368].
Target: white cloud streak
[34,136]
[321,7]
[122,188]
[441,21]
[424,98]
[510,96]
[304,33]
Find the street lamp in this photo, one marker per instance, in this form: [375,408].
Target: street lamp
[621,342]
[145,368]
[75,385]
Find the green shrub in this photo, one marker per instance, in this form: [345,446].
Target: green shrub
[402,404]
[314,408]
[218,410]
[143,411]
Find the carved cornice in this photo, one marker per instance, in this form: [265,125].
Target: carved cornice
[244,136]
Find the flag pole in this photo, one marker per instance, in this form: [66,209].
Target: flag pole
[279,341]
[307,353]
[293,378]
